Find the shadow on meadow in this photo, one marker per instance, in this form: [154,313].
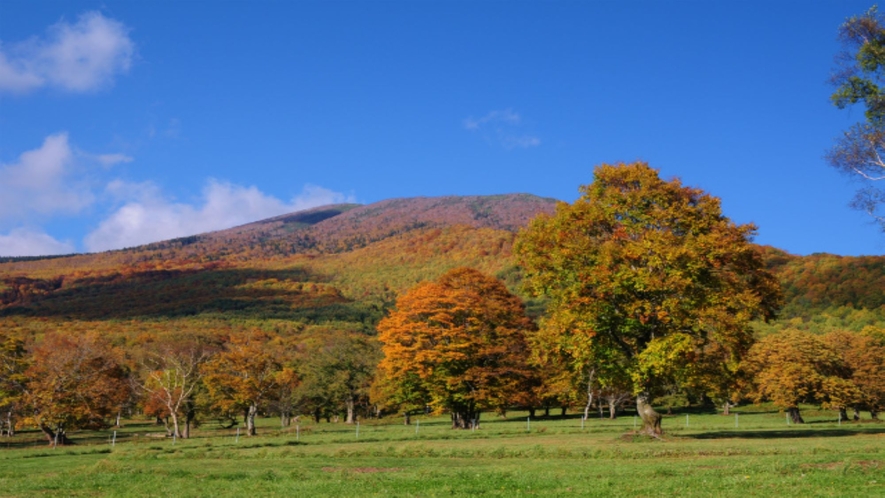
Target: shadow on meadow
[786,433]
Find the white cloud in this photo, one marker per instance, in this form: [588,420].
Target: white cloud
[502,127]
[41,182]
[28,242]
[149,217]
[75,57]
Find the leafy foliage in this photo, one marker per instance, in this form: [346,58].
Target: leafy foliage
[311,282]
[243,378]
[859,79]
[796,367]
[460,340]
[75,382]
[648,274]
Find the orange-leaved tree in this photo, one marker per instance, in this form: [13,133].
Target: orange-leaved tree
[864,355]
[642,275]
[243,378]
[459,340]
[795,367]
[75,382]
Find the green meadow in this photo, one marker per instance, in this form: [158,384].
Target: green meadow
[752,454]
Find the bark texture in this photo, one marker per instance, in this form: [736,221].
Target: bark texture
[465,419]
[651,420]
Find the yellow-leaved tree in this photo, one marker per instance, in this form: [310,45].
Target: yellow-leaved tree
[795,367]
[647,279]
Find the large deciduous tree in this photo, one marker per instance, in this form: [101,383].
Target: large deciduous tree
[461,341]
[75,382]
[243,378]
[795,367]
[173,374]
[646,277]
[858,79]
[337,371]
[864,355]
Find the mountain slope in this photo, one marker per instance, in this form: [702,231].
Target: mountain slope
[343,265]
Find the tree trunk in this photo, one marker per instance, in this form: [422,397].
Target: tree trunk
[843,414]
[465,418]
[856,414]
[349,404]
[57,436]
[795,417]
[189,417]
[874,415]
[546,410]
[250,419]
[117,422]
[612,409]
[564,408]
[176,431]
[10,424]
[651,420]
[407,418]
[591,375]
[316,415]
[532,412]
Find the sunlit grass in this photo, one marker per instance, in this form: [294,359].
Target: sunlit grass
[763,456]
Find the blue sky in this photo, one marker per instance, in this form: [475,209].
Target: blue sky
[127,122]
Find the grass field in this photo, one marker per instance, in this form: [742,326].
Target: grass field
[762,456]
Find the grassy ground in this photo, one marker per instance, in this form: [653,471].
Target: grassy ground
[762,456]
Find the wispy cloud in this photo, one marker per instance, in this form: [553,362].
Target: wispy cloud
[150,217]
[507,116]
[112,159]
[30,242]
[78,57]
[502,127]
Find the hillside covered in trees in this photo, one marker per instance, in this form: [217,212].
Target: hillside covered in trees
[346,263]
[309,289]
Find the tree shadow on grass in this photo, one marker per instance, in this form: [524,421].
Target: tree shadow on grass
[786,434]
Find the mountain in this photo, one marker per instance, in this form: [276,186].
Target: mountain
[341,266]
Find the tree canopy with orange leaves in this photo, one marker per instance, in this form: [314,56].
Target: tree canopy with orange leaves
[797,367]
[460,341]
[644,275]
[244,377]
[75,382]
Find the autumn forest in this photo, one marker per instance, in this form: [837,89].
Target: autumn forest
[639,295]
